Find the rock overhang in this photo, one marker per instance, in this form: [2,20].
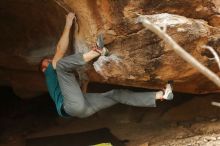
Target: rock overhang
[31,30]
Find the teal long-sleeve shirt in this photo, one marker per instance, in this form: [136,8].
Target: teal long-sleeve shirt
[54,89]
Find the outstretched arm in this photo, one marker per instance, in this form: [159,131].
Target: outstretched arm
[63,43]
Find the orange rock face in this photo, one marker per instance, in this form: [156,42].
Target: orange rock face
[138,57]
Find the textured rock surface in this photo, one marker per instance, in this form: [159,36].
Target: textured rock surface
[30,30]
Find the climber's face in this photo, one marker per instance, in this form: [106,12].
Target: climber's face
[44,64]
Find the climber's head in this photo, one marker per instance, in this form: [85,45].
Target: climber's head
[44,63]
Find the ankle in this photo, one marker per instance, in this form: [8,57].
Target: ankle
[90,55]
[159,95]
[94,53]
[67,27]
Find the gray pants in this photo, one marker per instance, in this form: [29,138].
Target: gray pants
[83,105]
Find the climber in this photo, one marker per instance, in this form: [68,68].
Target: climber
[66,93]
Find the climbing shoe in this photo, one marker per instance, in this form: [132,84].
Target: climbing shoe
[100,48]
[167,92]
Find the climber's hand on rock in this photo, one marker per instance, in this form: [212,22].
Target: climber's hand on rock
[69,19]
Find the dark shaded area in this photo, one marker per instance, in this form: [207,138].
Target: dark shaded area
[29,30]
[22,118]
[15,107]
[78,139]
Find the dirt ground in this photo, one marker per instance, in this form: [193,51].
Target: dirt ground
[187,120]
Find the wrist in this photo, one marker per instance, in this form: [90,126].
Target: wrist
[67,27]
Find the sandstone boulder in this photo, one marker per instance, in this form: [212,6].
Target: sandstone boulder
[30,30]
